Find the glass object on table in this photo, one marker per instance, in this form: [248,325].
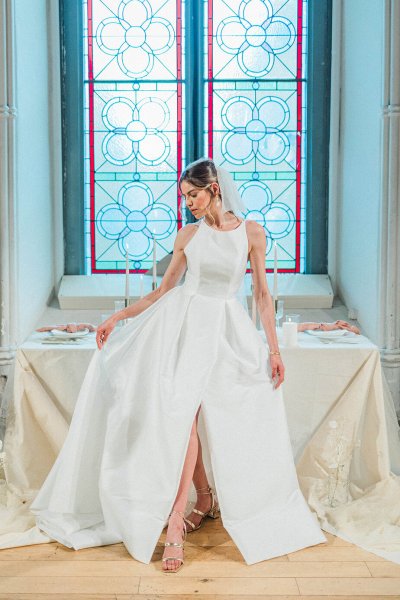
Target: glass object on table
[119,305]
[279,312]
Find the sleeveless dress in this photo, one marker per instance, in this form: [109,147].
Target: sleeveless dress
[118,471]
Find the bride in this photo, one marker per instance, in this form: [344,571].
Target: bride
[133,447]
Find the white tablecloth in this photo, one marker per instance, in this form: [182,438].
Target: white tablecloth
[341,418]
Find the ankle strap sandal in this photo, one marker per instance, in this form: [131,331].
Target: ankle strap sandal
[213,513]
[176,544]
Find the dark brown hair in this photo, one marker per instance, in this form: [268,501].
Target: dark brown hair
[200,173]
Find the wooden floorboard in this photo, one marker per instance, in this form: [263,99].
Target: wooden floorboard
[213,570]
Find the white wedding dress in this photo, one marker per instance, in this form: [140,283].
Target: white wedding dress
[118,472]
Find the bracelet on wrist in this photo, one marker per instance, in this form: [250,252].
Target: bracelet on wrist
[274,352]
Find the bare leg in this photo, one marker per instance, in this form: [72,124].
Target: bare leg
[175,523]
[200,481]
[199,474]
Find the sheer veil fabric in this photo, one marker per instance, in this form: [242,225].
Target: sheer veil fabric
[231,198]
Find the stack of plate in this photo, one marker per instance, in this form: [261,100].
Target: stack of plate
[340,335]
[57,336]
[58,333]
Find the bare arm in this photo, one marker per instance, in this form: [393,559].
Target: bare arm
[172,276]
[264,301]
[262,294]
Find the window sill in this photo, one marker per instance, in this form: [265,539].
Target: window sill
[99,291]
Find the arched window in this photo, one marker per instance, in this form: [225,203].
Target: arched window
[161,83]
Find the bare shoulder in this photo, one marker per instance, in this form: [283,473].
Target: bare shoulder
[184,234]
[255,231]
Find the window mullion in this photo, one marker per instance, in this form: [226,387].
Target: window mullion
[71,42]
[194,75]
[318,115]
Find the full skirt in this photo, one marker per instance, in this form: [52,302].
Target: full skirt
[118,472]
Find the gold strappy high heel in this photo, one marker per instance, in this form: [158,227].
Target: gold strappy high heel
[213,512]
[176,544]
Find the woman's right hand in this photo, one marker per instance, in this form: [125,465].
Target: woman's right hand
[277,369]
[103,331]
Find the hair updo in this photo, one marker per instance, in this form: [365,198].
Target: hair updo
[200,173]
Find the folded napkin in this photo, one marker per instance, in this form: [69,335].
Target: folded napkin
[69,327]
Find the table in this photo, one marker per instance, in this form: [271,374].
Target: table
[341,419]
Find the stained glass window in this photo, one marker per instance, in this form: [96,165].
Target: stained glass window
[255,91]
[253,94]
[134,139]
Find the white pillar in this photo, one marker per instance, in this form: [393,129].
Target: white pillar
[390,208]
[8,246]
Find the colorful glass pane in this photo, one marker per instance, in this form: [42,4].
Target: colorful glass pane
[255,90]
[134,137]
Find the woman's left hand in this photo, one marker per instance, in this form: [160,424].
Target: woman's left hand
[278,368]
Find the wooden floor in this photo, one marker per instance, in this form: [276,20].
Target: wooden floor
[213,570]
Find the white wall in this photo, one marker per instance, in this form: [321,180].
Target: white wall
[357,228]
[356,239]
[38,158]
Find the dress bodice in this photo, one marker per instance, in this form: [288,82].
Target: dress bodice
[216,261]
